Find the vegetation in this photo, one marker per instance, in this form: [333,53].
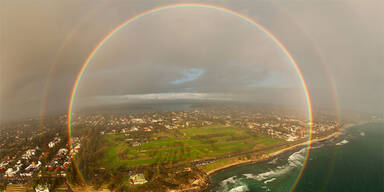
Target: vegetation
[108,160]
[182,146]
[88,161]
[3,187]
[218,164]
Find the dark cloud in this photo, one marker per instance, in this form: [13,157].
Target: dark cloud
[44,43]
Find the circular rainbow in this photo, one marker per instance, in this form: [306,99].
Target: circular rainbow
[194,5]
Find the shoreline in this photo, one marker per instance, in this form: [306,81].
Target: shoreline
[274,154]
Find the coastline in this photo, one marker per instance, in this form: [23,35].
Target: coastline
[274,154]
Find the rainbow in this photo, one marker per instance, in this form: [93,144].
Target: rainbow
[193,5]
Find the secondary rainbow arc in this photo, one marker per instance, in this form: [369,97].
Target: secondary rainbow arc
[193,5]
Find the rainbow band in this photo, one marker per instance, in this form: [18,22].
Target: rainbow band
[194,5]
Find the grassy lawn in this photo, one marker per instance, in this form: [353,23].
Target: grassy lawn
[183,145]
[218,164]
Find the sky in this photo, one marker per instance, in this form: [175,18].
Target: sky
[190,53]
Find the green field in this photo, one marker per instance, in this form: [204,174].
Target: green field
[183,145]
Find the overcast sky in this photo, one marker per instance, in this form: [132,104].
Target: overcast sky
[190,53]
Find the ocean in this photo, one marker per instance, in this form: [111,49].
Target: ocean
[354,161]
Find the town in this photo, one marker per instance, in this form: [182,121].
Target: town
[40,147]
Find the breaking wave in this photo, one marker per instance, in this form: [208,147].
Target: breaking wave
[295,160]
[233,184]
[342,142]
[273,161]
[228,180]
[242,188]
[269,180]
[317,146]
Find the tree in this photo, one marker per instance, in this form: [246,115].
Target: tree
[3,186]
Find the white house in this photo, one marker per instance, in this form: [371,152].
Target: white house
[41,188]
[137,179]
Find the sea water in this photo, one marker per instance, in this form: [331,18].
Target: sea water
[352,162]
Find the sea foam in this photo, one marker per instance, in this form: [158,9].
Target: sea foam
[294,161]
[269,180]
[342,142]
[233,184]
[242,188]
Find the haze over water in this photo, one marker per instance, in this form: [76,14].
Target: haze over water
[352,162]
